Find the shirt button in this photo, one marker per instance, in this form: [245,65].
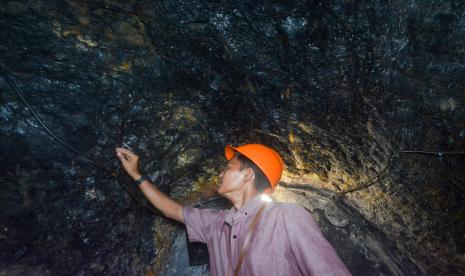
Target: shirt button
[245,213]
[234,236]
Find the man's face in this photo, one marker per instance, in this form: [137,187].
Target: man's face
[232,178]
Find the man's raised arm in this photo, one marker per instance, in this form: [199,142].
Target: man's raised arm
[160,200]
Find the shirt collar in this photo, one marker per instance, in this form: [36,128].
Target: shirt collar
[249,209]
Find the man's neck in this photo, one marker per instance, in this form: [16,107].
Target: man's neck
[242,199]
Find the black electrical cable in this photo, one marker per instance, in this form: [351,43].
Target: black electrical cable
[336,195]
[18,92]
[373,180]
[439,153]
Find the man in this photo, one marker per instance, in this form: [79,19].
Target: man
[256,236]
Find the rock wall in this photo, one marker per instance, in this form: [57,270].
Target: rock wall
[338,88]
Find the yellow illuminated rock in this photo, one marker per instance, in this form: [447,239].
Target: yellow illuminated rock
[125,66]
[305,128]
[88,42]
[291,136]
[185,113]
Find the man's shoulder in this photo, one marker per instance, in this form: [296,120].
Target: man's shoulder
[288,210]
[287,206]
[204,213]
[294,216]
[211,211]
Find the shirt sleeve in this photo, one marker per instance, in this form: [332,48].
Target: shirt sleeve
[199,222]
[312,252]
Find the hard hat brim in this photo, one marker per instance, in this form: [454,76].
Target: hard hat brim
[229,152]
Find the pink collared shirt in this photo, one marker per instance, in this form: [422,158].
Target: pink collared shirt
[287,240]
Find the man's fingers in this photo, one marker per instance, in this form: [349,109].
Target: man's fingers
[122,156]
[128,152]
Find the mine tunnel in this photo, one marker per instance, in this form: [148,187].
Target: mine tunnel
[363,100]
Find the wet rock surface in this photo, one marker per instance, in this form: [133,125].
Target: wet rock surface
[338,88]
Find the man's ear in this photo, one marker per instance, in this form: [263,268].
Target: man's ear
[249,174]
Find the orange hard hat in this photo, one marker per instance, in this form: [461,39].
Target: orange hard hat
[264,157]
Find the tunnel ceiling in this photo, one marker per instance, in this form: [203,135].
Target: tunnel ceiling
[339,88]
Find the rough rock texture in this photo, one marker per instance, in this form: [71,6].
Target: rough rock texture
[338,88]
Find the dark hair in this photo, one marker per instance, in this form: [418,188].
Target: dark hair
[261,182]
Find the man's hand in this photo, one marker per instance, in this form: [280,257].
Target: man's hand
[130,162]
[162,202]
